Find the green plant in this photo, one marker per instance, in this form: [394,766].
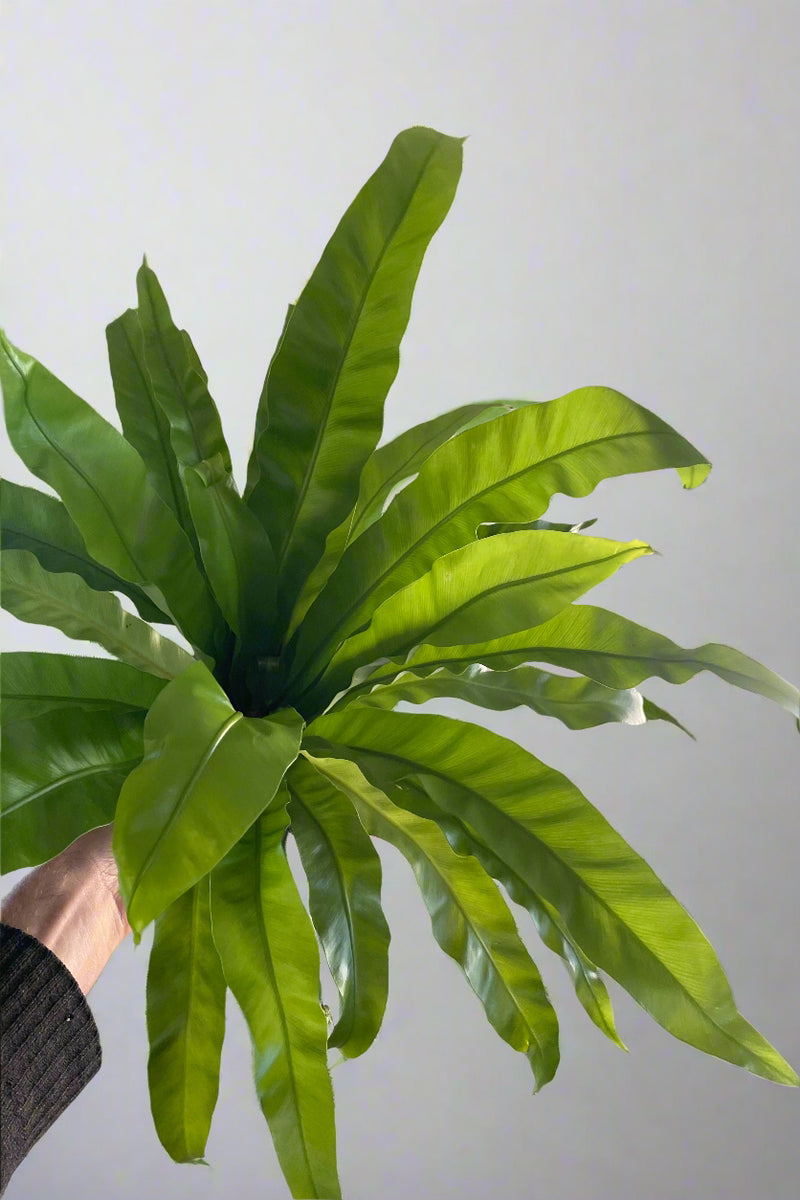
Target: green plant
[343,580]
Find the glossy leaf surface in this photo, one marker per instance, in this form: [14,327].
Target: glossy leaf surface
[207,773]
[143,420]
[237,556]
[62,772]
[180,388]
[344,888]
[507,469]
[32,682]
[64,601]
[185,1024]
[340,353]
[589,986]
[541,826]
[605,646]
[386,469]
[32,520]
[103,482]
[488,588]
[271,963]
[470,921]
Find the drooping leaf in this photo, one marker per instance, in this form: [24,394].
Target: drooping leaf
[340,353]
[344,887]
[487,588]
[237,555]
[32,520]
[542,827]
[605,646]
[62,772]
[180,388]
[386,469]
[185,1024]
[207,773]
[43,598]
[143,420]
[103,482]
[470,921]
[589,986]
[505,470]
[32,683]
[271,963]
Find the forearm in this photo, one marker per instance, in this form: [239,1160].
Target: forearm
[69,906]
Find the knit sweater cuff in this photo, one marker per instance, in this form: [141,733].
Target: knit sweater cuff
[49,1044]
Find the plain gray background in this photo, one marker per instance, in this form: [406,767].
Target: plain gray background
[626,216]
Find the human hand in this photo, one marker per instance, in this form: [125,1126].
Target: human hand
[72,905]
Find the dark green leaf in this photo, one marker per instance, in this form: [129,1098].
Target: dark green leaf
[340,353]
[185,1025]
[470,921]
[32,520]
[61,775]
[42,598]
[103,483]
[487,588]
[542,827]
[505,470]
[344,887]
[32,683]
[207,773]
[269,955]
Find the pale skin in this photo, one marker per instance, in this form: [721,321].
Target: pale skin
[72,905]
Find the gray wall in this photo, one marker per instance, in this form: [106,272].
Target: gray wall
[627,216]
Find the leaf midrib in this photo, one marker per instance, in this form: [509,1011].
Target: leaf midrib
[113,766]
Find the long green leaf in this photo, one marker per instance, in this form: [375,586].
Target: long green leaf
[470,920]
[589,987]
[32,683]
[180,387]
[491,528]
[344,886]
[103,483]
[543,828]
[143,420]
[62,772]
[384,471]
[237,555]
[185,1010]
[269,955]
[505,470]
[32,520]
[43,598]
[207,773]
[603,645]
[340,353]
[488,588]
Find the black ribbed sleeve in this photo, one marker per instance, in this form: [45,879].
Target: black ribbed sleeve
[49,1044]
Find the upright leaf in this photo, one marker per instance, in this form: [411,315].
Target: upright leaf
[179,386]
[207,773]
[32,520]
[237,555]
[271,963]
[32,683]
[542,827]
[505,470]
[344,887]
[603,645]
[62,772]
[489,587]
[185,1024]
[32,594]
[103,483]
[143,420]
[321,410]
[470,921]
